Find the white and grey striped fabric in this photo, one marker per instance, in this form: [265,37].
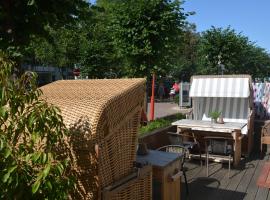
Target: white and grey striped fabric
[237,87]
[232,109]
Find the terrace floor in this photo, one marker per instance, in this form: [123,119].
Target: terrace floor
[241,184]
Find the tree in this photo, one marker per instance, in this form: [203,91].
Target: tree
[20,20]
[100,60]
[85,43]
[65,48]
[233,50]
[187,54]
[30,134]
[145,34]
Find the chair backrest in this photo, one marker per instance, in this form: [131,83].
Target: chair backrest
[175,138]
[219,145]
[266,130]
[173,149]
[181,150]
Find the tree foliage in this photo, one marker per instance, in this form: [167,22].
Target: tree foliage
[124,38]
[145,33]
[30,132]
[233,50]
[20,20]
[186,60]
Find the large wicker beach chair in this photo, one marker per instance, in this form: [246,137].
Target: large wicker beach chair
[103,116]
[232,95]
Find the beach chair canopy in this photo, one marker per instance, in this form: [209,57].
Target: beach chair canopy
[103,116]
[235,87]
[231,95]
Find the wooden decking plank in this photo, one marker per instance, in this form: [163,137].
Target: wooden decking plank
[241,190]
[219,174]
[201,182]
[193,170]
[223,179]
[236,177]
[268,196]
[262,193]
[242,184]
[252,188]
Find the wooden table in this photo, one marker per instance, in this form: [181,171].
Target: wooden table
[166,173]
[232,128]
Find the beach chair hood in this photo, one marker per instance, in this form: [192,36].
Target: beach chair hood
[221,86]
[103,116]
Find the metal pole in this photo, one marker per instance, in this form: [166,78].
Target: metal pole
[152,102]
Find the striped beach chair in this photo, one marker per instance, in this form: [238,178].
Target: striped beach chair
[232,95]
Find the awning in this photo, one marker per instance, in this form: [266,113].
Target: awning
[220,87]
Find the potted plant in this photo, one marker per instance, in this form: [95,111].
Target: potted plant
[215,115]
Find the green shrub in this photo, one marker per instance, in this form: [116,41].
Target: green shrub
[30,132]
[160,123]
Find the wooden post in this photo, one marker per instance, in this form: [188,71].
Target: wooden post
[237,147]
[152,102]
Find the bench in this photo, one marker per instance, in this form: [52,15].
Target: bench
[264,178]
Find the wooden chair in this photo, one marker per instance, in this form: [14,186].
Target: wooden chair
[182,152]
[181,139]
[222,147]
[265,135]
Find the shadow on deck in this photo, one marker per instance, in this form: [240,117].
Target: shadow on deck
[240,184]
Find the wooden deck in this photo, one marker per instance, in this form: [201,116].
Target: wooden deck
[240,186]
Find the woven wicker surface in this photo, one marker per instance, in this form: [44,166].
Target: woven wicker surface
[104,113]
[140,190]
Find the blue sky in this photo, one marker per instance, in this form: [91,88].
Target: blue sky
[251,17]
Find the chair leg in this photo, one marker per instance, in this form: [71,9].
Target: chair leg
[200,154]
[186,183]
[207,164]
[229,166]
[261,149]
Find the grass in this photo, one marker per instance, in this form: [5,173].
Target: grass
[160,123]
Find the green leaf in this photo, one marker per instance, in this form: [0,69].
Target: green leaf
[46,171]
[27,157]
[60,168]
[3,113]
[7,152]
[5,177]
[49,185]
[35,186]
[1,143]
[36,156]
[11,169]
[31,120]
[31,2]
[44,158]
[35,136]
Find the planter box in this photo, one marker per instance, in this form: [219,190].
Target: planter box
[157,138]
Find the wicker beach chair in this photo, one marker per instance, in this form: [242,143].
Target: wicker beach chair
[103,116]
